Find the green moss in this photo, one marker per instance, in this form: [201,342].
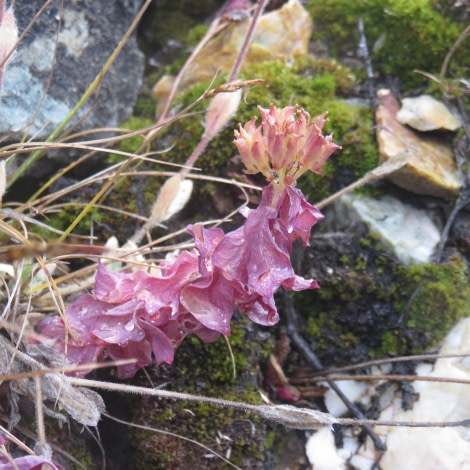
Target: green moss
[196,33]
[217,362]
[309,66]
[370,306]
[206,369]
[398,31]
[390,344]
[361,263]
[67,216]
[320,322]
[443,297]
[145,108]
[349,339]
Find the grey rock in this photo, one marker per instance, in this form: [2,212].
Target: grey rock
[52,68]
[408,233]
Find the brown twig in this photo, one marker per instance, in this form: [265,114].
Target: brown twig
[389,377]
[464,35]
[379,362]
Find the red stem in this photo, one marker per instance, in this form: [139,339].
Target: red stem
[246,43]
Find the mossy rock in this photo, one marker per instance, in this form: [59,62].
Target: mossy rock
[370,306]
[441,297]
[206,369]
[403,36]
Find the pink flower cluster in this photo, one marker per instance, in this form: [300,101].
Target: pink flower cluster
[282,146]
[135,315]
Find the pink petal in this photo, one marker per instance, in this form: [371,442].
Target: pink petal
[160,343]
[29,462]
[298,215]
[113,287]
[258,309]
[211,301]
[119,324]
[140,351]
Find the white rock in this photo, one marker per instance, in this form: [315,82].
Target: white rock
[415,448]
[320,449]
[435,448]
[424,113]
[352,389]
[322,453]
[406,232]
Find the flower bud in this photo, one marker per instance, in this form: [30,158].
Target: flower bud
[173,196]
[221,109]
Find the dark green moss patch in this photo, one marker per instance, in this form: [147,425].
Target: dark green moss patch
[370,306]
[206,369]
[442,297]
[398,31]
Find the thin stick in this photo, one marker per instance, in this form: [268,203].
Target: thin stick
[465,33]
[63,369]
[388,377]
[246,43]
[409,424]
[379,362]
[298,418]
[386,168]
[39,413]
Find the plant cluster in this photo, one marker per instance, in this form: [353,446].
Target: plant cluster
[137,315]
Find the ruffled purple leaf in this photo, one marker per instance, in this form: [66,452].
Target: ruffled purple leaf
[29,462]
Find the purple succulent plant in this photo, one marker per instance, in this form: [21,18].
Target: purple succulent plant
[136,315]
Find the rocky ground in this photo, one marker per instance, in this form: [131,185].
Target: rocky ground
[391,257]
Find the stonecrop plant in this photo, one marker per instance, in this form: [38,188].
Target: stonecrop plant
[145,317]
